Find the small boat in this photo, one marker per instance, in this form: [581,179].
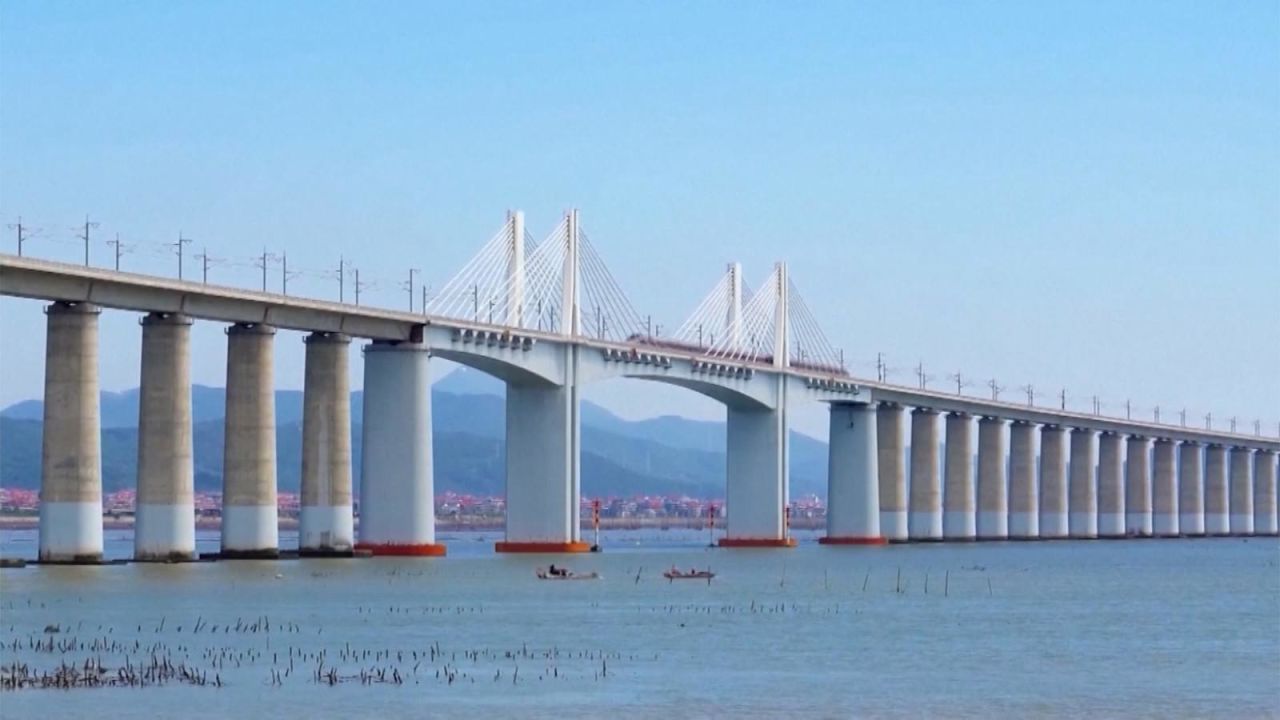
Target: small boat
[546,574]
[674,574]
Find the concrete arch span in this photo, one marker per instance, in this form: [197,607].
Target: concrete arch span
[757,451]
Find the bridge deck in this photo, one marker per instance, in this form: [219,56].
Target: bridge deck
[56,281]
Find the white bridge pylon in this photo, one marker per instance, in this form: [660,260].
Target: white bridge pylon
[559,285]
[773,326]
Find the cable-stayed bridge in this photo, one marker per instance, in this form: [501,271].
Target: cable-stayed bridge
[547,317]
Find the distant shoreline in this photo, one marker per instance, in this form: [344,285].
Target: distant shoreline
[32,522]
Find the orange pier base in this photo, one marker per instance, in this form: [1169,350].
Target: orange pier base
[403,549]
[509,546]
[757,542]
[852,541]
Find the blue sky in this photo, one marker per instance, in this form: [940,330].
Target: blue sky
[1081,195]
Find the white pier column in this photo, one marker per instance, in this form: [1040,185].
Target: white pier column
[1053,482]
[327,526]
[1191,489]
[1024,494]
[1216,500]
[1265,521]
[1241,502]
[1083,502]
[1137,497]
[397,489]
[1164,490]
[1111,517]
[959,517]
[891,461]
[542,470]
[993,495]
[165,524]
[925,511]
[249,517]
[853,487]
[71,453]
[756,487]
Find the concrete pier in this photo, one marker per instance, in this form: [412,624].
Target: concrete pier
[1265,521]
[1241,501]
[1024,495]
[1164,490]
[756,487]
[326,525]
[1083,517]
[853,478]
[165,526]
[1216,501]
[925,518]
[1053,482]
[249,518]
[993,495]
[959,517]
[1137,483]
[1111,516]
[1191,489]
[542,468]
[891,462]
[71,453]
[397,489]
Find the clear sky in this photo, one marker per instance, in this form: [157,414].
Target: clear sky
[1079,194]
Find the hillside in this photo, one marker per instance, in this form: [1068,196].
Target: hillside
[665,455]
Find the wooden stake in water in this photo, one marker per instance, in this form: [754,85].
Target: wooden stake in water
[595,522]
[946,584]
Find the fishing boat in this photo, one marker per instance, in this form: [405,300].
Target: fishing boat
[565,574]
[694,574]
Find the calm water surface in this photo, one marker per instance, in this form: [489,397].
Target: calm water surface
[1180,628]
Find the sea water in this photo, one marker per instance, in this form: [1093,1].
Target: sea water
[1140,628]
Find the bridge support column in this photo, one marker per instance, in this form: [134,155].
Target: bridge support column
[925,518]
[993,497]
[542,470]
[1241,501]
[165,525]
[1265,521]
[71,454]
[1083,504]
[1191,489]
[959,521]
[326,526]
[249,519]
[1164,490]
[853,493]
[397,490]
[1024,495]
[1216,500]
[1110,486]
[891,460]
[1137,484]
[756,493]
[1053,482]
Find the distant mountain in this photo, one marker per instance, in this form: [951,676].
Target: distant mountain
[665,455]
[120,409]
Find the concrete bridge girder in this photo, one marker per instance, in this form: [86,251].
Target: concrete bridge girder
[512,357]
[734,386]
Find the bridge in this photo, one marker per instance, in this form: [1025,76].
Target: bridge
[547,317]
